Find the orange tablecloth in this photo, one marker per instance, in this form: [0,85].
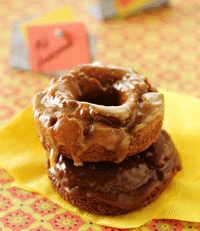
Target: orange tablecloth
[162,45]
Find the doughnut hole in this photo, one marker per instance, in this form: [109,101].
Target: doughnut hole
[110,97]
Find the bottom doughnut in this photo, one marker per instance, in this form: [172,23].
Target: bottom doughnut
[107,188]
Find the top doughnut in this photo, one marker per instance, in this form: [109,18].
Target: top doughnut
[98,113]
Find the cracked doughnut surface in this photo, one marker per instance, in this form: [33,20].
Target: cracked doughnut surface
[98,113]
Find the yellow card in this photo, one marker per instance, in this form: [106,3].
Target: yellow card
[61,15]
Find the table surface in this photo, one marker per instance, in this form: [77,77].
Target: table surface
[162,45]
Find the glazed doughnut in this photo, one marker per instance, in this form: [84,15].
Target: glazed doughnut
[107,188]
[98,113]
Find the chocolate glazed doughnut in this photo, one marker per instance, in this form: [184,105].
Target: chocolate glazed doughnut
[98,113]
[111,189]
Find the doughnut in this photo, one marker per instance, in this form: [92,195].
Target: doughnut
[98,113]
[107,188]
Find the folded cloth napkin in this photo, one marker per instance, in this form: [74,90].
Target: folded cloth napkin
[22,155]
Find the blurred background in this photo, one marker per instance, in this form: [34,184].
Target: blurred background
[162,44]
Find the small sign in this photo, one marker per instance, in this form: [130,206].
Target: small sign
[58,47]
[62,28]
[104,9]
[61,15]
[125,7]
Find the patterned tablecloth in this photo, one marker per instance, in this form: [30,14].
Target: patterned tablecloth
[162,45]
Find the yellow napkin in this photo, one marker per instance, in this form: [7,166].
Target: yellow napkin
[21,154]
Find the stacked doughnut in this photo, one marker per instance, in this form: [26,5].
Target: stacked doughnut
[101,128]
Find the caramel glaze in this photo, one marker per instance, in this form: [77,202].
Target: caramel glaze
[127,184]
[94,104]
